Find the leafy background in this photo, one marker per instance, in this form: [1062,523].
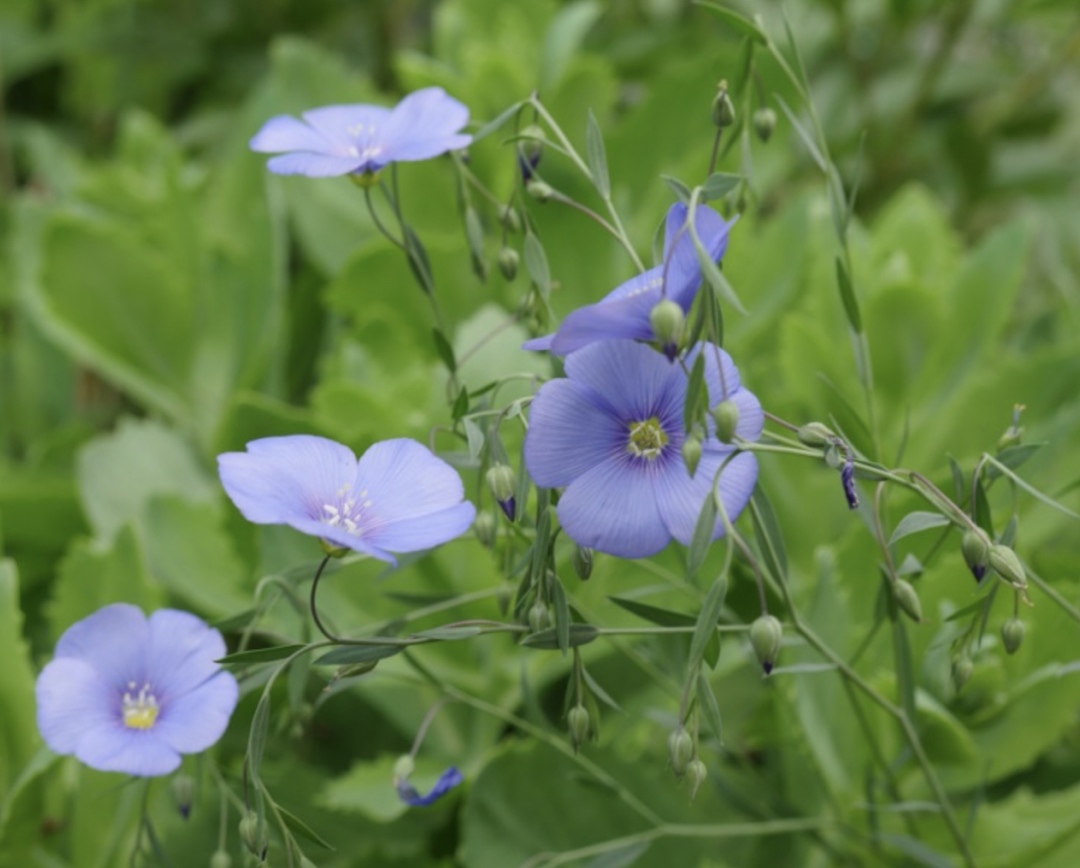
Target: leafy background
[162,299]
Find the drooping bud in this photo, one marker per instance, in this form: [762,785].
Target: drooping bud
[1012,634]
[908,600]
[485,529]
[962,670]
[253,835]
[183,790]
[691,453]
[1005,563]
[1014,432]
[668,321]
[508,262]
[579,724]
[680,750]
[539,190]
[764,123]
[530,148]
[403,768]
[508,216]
[847,479]
[726,414]
[696,772]
[504,596]
[976,549]
[583,562]
[815,434]
[766,637]
[503,483]
[723,112]
[220,859]
[539,617]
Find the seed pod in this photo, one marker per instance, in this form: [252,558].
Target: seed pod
[908,599]
[766,637]
[976,549]
[764,123]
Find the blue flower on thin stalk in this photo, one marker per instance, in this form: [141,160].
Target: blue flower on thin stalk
[411,797]
[398,497]
[127,693]
[359,139]
[625,312]
[611,433]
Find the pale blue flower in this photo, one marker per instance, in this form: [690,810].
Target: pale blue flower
[127,693]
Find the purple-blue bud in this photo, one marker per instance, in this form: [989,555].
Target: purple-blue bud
[847,478]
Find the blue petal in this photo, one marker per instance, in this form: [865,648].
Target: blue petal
[198,719]
[680,498]
[113,640]
[684,268]
[132,751]
[634,380]
[73,699]
[181,653]
[314,165]
[286,133]
[426,531]
[449,779]
[424,125]
[539,345]
[405,480]
[349,126]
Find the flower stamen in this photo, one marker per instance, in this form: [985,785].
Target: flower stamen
[140,709]
[647,439]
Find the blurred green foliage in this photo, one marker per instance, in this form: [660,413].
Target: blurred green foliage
[163,299]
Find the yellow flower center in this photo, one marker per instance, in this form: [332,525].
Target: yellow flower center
[647,439]
[140,708]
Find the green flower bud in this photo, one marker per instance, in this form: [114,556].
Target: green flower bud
[404,767]
[579,724]
[908,599]
[539,617]
[221,859]
[764,123]
[680,750]
[508,262]
[1014,433]
[1012,634]
[815,434]
[723,112]
[253,835]
[766,636]
[508,216]
[539,190]
[183,790]
[696,772]
[668,321]
[726,414]
[485,529]
[1005,563]
[583,562]
[502,482]
[532,142]
[691,453]
[962,669]
[353,670]
[504,596]
[976,549]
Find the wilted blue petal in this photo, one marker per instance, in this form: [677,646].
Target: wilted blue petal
[447,781]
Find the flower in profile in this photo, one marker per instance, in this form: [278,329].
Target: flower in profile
[398,497]
[411,797]
[358,139]
[626,311]
[612,432]
[127,693]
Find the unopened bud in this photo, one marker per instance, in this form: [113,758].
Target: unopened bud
[962,670]
[1005,563]
[583,562]
[723,112]
[539,190]
[183,789]
[815,434]
[485,529]
[1014,432]
[680,750]
[976,549]
[220,859]
[503,483]
[696,772]
[726,414]
[668,321]
[504,596]
[539,617]
[253,835]
[530,148]
[579,724]
[508,262]
[1012,634]
[764,123]
[404,767]
[766,636]
[908,600]
[354,670]
[691,453]
[508,216]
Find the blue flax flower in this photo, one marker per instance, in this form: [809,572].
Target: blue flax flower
[624,312]
[127,693]
[355,139]
[611,433]
[398,497]
[446,782]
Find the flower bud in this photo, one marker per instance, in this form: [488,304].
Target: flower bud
[503,483]
[508,216]
[696,772]
[815,434]
[353,670]
[1014,432]
[1012,634]
[723,112]
[962,669]
[691,453]
[253,835]
[908,600]
[976,549]
[539,190]
[504,596]
[726,414]
[579,724]
[668,320]
[183,790]
[221,859]
[764,123]
[539,617]
[847,479]
[508,262]
[404,767]
[485,529]
[766,636]
[583,562]
[530,149]
[680,750]
[1005,563]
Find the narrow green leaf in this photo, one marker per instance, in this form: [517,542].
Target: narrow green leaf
[677,187]
[702,539]
[419,262]
[563,38]
[497,122]
[302,829]
[260,725]
[916,849]
[705,628]
[959,486]
[983,516]
[448,634]
[562,613]
[914,522]
[259,655]
[620,857]
[713,274]
[445,351]
[968,609]
[1008,536]
[709,706]
[536,264]
[719,184]
[805,136]
[548,640]
[838,205]
[599,691]
[847,296]
[358,654]
[474,232]
[475,438]
[738,22]
[905,668]
[1030,489]
[461,404]
[767,532]
[1012,457]
[695,394]
[594,150]
[654,614]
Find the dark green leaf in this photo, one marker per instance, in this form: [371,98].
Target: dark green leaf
[703,534]
[301,828]
[562,612]
[719,184]
[461,403]
[358,654]
[445,351]
[696,394]
[259,655]
[710,708]
[847,296]
[599,691]
[705,628]
[807,139]
[767,532]
[663,617]
[548,640]
[448,634]
[739,23]
[260,725]
[1012,457]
